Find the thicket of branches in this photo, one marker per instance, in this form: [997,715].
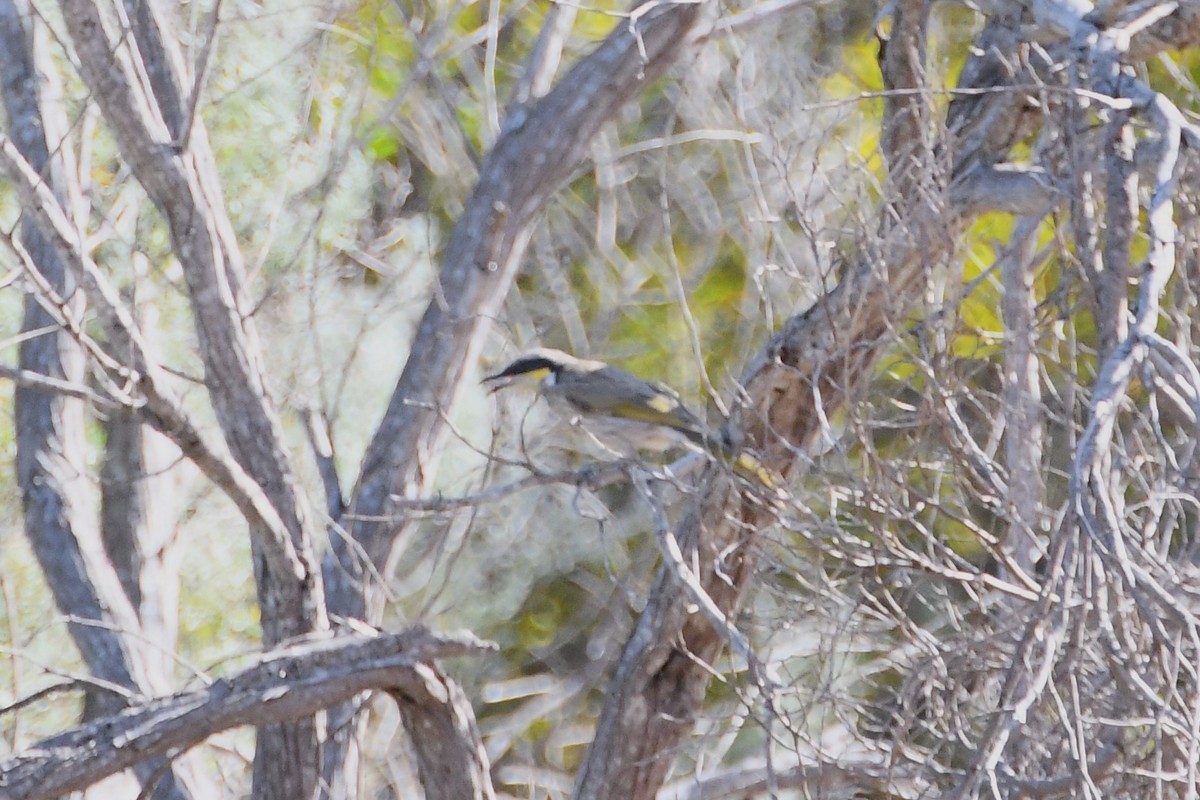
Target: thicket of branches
[936,268]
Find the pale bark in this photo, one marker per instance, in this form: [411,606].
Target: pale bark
[1025,542]
[50,459]
[138,528]
[1093,566]
[147,122]
[184,186]
[57,500]
[137,515]
[147,390]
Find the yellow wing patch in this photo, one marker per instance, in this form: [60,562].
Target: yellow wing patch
[662,403]
[652,412]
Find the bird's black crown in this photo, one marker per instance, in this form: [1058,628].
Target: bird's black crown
[525,365]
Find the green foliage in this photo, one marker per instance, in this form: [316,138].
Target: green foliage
[656,331]
[717,305]
[554,609]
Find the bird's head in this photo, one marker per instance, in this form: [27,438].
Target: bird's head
[533,368]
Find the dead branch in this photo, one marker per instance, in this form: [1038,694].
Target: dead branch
[291,683]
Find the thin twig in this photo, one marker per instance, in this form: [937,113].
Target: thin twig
[593,476]
[200,80]
[764,674]
[36,380]
[319,438]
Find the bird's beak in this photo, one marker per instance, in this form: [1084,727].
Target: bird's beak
[502,379]
[496,382]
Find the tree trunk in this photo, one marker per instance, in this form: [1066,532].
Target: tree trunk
[58,504]
[169,154]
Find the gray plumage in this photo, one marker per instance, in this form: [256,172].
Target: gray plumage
[623,412]
[626,414]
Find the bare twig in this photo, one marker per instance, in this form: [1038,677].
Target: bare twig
[200,78]
[317,428]
[593,476]
[144,115]
[45,691]
[764,674]
[36,380]
[814,772]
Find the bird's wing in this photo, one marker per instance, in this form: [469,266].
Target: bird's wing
[616,393]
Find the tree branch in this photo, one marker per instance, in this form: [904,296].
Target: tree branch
[538,148]
[1023,400]
[135,80]
[162,408]
[291,683]
[36,380]
[441,726]
[59,517]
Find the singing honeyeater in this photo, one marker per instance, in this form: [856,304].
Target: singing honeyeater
[622,411]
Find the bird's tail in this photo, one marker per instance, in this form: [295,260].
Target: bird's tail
[744,464]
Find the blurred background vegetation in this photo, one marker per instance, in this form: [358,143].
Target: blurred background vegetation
[348,137]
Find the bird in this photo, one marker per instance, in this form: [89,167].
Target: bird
[622,412]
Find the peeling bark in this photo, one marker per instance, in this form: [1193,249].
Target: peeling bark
[57,500]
